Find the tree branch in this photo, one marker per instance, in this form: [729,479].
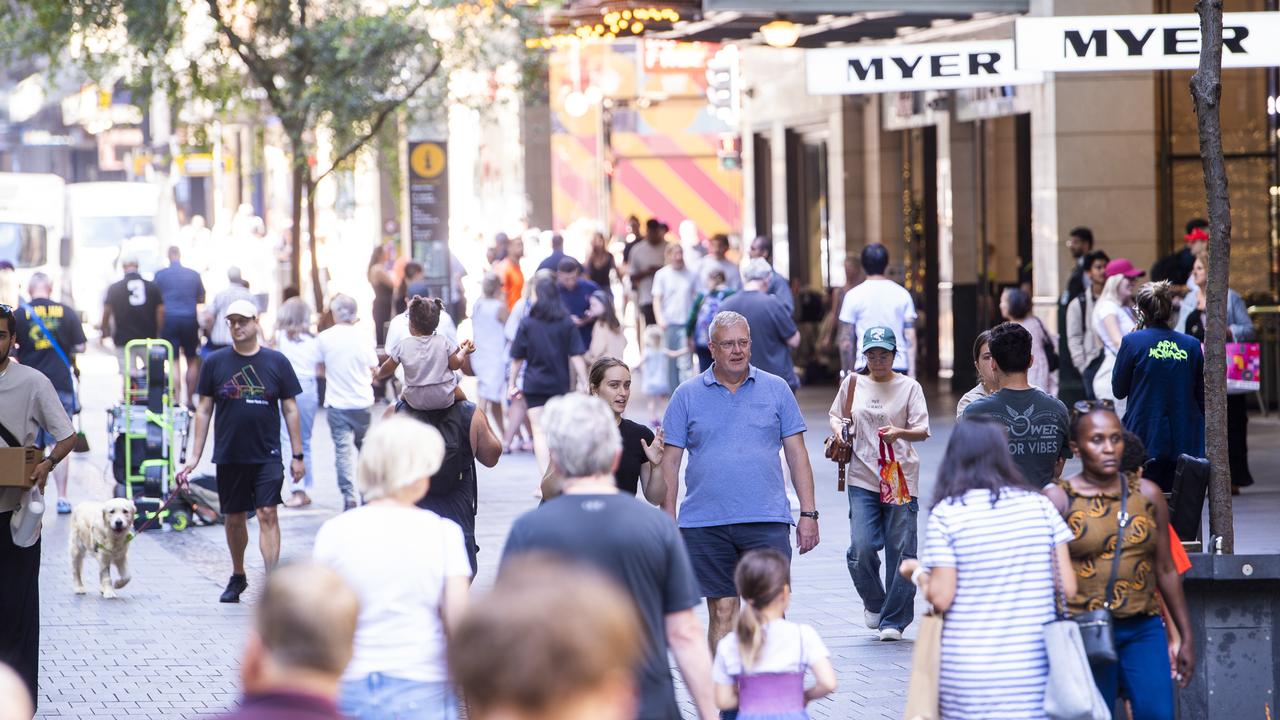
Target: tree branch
[379,120]
[257,65]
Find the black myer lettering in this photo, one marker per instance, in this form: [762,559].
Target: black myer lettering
[1235,43]
[908,70]
[1075,43]
[983,62]
[936,66]
[876,66]
[1181,41]
[1133,43]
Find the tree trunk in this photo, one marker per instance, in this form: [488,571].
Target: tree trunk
[317,291]
[298,180]
[1206,92]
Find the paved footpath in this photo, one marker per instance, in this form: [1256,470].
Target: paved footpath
[167,649]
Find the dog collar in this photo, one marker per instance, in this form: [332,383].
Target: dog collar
[98,547]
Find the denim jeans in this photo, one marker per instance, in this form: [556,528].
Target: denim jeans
[307,404]
[381,697]
[347,428]
[1142,670]
[876,526]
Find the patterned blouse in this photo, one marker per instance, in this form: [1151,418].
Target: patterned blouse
[1092,519]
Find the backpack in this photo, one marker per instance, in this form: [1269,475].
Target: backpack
[707,310]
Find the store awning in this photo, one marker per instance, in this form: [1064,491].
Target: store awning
[847,7]
[815,30]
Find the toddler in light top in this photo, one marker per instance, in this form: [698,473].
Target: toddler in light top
[759,668]
[429,360]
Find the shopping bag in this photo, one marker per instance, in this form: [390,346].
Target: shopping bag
[1244,366]
[893,484]
[1069,692]
[926,664]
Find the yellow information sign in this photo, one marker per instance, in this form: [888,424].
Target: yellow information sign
[427,160]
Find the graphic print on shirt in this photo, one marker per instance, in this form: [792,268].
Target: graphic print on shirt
[1031,432]
[1168,350]
[245,385]
[52,317]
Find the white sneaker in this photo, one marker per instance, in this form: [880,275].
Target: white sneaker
[871,619]
[890,635]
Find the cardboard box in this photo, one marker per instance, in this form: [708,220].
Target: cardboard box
[16,466]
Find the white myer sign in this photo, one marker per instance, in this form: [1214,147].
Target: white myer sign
[929,66]
[1142,42]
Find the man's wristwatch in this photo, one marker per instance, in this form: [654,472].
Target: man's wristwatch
[299,456]
[809,514]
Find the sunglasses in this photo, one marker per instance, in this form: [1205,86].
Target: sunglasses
[1082,407]
[5,309]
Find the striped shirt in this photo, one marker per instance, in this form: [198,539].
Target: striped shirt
[993,656]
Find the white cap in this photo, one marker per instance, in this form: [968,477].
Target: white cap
[243,308]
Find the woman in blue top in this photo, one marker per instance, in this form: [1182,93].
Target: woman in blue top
[1162,373]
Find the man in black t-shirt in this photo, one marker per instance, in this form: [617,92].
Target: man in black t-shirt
[134,309]
[592,523]
[250,387]
[36,350]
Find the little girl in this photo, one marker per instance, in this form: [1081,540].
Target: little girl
[760,667]
[655,369]
[429,359]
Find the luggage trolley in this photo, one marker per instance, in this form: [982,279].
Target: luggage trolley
[149,437]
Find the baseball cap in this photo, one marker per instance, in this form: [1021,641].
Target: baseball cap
[1197,235]
[1122,266]
[879,337]
[243,308]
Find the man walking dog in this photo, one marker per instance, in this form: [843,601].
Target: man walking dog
[250,386]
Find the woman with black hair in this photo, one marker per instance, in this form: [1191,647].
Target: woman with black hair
[607,339]
[992,549]
[1106,508]
[1015,307]
[549,348]
[986,367]
[1161,371]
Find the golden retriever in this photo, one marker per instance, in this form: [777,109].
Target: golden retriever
[103,529]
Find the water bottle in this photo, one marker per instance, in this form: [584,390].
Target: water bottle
[26,519]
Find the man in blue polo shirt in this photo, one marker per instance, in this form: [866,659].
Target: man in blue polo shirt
[734,420]
[182,291]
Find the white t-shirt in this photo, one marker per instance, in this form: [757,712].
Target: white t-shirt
[646,256]
[788,647]
[1103,309]
[303,355]
[398,329]
[396,559]
[879,302]
[348,357]
[674,289]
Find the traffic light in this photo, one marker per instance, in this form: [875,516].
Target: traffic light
[724,85]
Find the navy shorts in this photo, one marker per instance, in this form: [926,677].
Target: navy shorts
[714,551]
[536,400]
[244,487]
[184,335]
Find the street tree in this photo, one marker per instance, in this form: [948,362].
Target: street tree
[338,67]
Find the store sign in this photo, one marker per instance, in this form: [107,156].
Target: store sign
[1143,42]
[930,66]
[429,212]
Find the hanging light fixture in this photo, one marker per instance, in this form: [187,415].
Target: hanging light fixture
[780,33]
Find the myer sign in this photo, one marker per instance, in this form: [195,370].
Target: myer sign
[930,66]
[1143,42]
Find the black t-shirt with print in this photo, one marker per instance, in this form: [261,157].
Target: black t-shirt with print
[34,348]
[1037,425]
[246,392]
[633,458]
[133,302]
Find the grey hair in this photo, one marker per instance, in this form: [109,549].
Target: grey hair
[757,269]
[39,280]
[294,316]
[343,308]
[582,435]
[396,453]
[726,319]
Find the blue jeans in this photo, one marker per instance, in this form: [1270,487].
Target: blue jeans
[1142,670]
[347,428]
[876,526]
[381,697]
[45,439]
[307,404]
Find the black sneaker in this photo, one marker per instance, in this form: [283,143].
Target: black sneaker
[236,585]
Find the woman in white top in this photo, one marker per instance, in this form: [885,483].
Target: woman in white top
[1015,306]
[1113,319]
[489,362]
[989,564]
[410,570]
[294,339]
[889,415]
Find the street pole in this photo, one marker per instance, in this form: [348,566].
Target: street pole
[1206,92]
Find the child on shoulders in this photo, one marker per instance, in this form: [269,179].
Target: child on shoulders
[430,361]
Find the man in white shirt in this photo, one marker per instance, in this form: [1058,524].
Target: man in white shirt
[673,290]
[880,302]
[716,259]
[348,361]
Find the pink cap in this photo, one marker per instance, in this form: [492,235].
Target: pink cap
[1121,266]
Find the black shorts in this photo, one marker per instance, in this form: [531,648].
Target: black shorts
[184,335]
[244,487]
[536,400]
[647,312]
[715,551]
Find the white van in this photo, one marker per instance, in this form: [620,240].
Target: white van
[109,220]
[32,216]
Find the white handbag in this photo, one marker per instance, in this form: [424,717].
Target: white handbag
[1069,692]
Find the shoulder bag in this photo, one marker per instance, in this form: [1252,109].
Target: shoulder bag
[1050,352]
[838,447]
[1096,625]
[1069,692]
[926,670]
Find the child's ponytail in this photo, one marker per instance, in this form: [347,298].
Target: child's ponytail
[761,577]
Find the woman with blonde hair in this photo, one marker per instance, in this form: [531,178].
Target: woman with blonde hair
[409,601]
[295,340]
[1112,319]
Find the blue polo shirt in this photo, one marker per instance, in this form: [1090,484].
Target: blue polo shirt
[181,289]
[733,440]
